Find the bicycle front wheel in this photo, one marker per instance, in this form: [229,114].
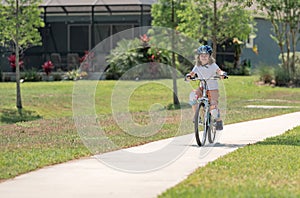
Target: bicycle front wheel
[201,124]
[212,129]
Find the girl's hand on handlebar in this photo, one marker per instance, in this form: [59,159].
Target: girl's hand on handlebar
[190,76]
[224,75]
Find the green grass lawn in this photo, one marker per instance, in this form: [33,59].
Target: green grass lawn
[270,168]
[46,134]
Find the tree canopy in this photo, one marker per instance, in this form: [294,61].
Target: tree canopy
[19,23]
[215,21]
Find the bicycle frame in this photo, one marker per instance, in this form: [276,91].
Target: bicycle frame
[203,104]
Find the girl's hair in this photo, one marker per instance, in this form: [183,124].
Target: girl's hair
[198,62]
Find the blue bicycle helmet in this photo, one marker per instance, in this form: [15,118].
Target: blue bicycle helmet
[204,49]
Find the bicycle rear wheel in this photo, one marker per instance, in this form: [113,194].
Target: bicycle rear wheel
[201,124]
[212,129]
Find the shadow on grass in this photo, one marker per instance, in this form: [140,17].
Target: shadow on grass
[281,141]
[182,105]
[11,116]
[290,138]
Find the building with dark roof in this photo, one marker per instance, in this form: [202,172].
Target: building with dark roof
[73,27]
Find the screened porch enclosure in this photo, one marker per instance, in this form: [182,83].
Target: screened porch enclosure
[74,27]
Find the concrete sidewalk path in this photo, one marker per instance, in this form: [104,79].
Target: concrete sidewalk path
[89,178]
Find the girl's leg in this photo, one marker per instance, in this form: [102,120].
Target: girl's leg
[194,107]
[213,96]
[198,92]
[193,97]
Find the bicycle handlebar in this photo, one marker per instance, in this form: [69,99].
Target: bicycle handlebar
[216,77]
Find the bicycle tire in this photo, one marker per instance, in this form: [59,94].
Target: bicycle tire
[201,124]
[212,129]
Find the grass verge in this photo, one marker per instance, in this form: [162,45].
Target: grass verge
[266,169]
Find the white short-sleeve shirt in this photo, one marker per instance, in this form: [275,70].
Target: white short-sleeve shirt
[206,72]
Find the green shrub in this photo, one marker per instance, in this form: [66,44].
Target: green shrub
[123,57]
[131,53]
[293,78]
[297,74]
[282,77]
[57,77]
[32,75]
[297,77]
[246,67]
[266,74]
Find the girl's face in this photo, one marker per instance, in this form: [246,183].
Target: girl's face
[204,58]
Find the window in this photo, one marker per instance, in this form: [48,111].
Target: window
[102,32]
[79,38]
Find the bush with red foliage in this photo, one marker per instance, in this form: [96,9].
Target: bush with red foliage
[48,66]
[12,62]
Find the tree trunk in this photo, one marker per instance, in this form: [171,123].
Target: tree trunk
[294,43]
[18,88]
[294,38]
[174,71]
[288,49]
[214,33]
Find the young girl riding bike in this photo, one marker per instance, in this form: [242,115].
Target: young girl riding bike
[207,68]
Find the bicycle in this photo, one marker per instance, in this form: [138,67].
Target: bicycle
[204,123]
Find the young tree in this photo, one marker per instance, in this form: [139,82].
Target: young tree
[19,23]
[285,18]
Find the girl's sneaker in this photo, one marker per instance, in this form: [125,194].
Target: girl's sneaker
[219,125]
